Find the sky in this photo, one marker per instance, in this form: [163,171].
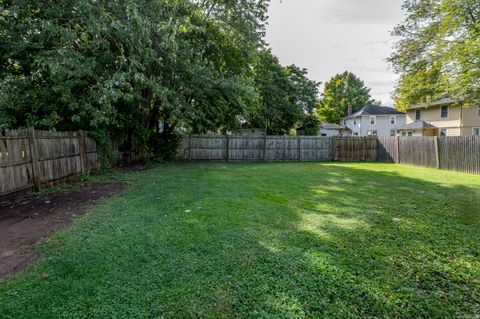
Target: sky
[330,36]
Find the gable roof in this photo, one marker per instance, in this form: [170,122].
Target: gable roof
[330,126]
[416,126]
[375,110]
[442,102]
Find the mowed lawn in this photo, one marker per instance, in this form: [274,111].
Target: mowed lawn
[299,240]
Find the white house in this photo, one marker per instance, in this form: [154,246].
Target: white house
[327,130]
[372,120]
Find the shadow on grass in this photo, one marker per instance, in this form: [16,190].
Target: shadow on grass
[362,243]
[271,241]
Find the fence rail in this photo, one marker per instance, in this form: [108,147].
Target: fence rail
[450,153]
[32,159]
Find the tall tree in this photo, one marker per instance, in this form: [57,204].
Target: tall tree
[285,95]
[341,91]
[137,68]
[438,51]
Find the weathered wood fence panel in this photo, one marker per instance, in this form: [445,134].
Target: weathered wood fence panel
[451,153]
[275,148]
[355,148]
[387,150]
[419,151]
[31,159]
[460,154]
[316,148]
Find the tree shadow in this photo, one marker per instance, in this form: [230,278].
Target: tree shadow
[269,241]
[358,243]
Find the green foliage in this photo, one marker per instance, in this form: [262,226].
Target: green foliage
[341,91]
[286,97]
[137,69]
[438,51]
[302,240]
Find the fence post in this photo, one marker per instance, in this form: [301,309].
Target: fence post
[32,141]
[299,148]
[397,149]
[81,143]
[227,148]
[265,148]
[437,151]
[334,148]
[189,148]
[364,146]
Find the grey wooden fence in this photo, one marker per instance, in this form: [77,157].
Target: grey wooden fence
[460,154]
[451,153]
[32,159]
[276,148]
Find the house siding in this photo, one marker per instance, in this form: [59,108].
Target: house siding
[470,117]
[329,133]
[460,121]
[382,124]
[433,116]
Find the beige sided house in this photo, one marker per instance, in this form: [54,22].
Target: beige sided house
[441,118]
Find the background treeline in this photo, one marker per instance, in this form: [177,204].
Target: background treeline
[144,70]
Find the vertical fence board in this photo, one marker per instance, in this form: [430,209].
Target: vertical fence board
[31,158]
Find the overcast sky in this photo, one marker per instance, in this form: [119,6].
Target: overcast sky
[330,36]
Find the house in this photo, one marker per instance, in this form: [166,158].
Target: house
[373,120]
[445,117]
[327,130]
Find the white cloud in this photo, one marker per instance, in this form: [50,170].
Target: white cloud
[331,36]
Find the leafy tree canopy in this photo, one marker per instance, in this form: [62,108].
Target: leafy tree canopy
[438,51]
[135,68]
[341,91]
[286,97]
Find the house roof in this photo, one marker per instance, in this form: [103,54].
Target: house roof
[326,126]
[417,125]
[330,126]
[375,110]
[442,102]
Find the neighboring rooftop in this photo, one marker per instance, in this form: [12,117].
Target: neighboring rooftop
[330,126]
[442,102]
[417,125]
[375,110]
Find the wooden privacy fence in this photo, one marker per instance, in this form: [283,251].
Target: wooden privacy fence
[31,159]
[460,154]
[276,148]
[450,153]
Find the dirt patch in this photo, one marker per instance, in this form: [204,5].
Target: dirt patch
[28,220]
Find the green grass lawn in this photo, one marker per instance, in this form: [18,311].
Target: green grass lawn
[306,240]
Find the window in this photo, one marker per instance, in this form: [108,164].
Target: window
[410,133]
[324,135]
[404,133]
[344,122]
[393,120]
[369,133]
[375,133]
[355,121]
[444,112]
[476,131]
[355,134]
[444,132]
[372,120]
[418,115]
[392,133]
